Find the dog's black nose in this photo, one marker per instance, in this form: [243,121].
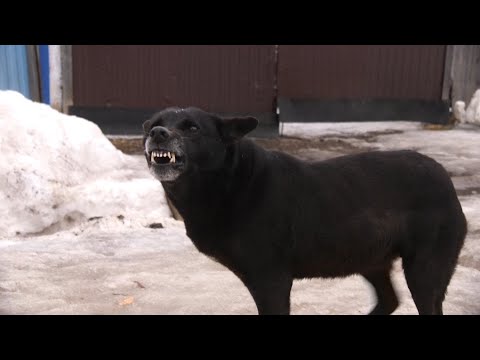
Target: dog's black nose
[159,133]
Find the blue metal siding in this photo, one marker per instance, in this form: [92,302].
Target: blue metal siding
[44,73]
[14,69]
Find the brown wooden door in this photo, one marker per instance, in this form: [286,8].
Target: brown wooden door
[361,82]
[361,71]
[227,79]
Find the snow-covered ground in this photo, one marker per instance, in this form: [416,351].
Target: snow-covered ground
[315,130]
[89,248]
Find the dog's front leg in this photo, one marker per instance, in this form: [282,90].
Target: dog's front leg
[271,293]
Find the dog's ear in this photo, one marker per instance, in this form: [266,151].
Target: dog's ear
[146,126]
[233,128]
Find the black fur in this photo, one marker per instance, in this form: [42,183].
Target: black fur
[271,218]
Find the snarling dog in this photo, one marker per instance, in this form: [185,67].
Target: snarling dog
[271,218]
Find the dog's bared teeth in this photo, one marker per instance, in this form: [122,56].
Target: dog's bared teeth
[157,153]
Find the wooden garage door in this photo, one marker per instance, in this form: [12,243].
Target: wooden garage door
[361,82]
[221,78]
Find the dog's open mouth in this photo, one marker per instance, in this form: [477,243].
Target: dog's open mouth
[163,157]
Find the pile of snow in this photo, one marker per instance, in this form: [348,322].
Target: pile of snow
[57,170]
[472,114]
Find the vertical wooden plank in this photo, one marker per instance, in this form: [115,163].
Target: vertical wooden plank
[465,72]
[55,80]
[66,66]
[33,72]
[447,74]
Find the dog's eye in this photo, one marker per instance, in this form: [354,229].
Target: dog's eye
[189,126]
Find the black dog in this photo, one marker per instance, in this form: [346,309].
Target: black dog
[271,218]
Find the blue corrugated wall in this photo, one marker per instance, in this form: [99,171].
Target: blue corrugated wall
[44,73]
[14,69]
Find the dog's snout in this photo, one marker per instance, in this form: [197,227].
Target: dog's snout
[160,133]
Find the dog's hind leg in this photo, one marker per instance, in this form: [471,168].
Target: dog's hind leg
[428,280]
[422,286]
[428,270]
[387,300]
